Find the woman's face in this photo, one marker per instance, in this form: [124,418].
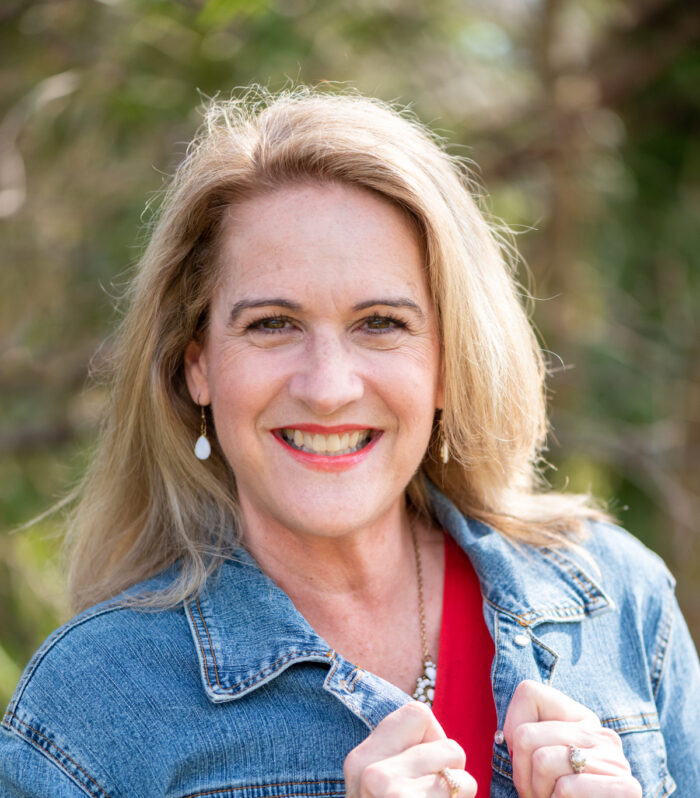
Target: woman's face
[322,358]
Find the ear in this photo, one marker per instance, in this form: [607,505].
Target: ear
[196,373]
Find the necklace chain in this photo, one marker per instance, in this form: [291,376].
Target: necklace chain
[425,684]
[421,604]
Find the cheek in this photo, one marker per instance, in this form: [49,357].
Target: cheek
[409,386]
[243,383]
[415,374]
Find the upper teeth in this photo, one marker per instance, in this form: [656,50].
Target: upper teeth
[343,443]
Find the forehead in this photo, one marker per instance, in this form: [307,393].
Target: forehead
[311,236]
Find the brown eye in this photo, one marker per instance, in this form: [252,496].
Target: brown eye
[271,324]
[381,324]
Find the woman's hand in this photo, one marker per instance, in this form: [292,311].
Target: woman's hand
[404,756]
[541,725]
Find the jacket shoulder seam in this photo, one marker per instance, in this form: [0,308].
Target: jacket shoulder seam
[25,731]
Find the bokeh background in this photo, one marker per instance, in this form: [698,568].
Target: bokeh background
[582,116]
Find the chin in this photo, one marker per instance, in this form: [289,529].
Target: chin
[330,513]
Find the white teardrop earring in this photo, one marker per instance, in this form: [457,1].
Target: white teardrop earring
[202,449]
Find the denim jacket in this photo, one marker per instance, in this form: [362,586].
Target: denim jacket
[234,695]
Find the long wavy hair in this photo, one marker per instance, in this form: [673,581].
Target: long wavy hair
[146,501]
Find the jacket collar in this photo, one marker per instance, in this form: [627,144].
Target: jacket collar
[532,584]
[246,630]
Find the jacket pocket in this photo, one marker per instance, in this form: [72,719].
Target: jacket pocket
[319,788]
[645,750]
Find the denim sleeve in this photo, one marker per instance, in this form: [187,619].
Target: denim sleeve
[677,689]
[25,772]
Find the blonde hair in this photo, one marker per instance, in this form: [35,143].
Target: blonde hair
[146,501]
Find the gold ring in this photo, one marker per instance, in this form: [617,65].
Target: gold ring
[577,759]
[451,781]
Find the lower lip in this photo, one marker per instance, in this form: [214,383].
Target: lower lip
[322,462]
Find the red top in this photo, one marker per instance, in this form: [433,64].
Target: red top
[463,698]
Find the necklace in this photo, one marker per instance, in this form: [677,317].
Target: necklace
[425,684]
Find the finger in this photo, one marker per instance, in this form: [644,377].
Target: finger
[430,786]
[530,738]
[427,759]
[592,786]
[552,763]
[533,702]
[410,725]
[584,734]
[465,781]
[401,773]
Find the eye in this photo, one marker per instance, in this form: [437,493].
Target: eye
[270,324]
[383,324]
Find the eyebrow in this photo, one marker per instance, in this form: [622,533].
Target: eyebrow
[279,302]
[245,304]
[398,302]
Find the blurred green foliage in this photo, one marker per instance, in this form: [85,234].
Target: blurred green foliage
[582,115]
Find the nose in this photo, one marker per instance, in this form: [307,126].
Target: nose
[326,379]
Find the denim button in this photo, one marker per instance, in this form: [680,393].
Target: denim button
[521,640]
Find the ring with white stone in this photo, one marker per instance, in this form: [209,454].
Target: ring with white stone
[451,781]
[577,760]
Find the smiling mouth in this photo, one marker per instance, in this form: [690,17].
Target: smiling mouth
[329,445]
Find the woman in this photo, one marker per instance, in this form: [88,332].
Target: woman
[323,305]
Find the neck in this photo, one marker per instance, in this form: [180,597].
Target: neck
[359,564]
[359,588]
